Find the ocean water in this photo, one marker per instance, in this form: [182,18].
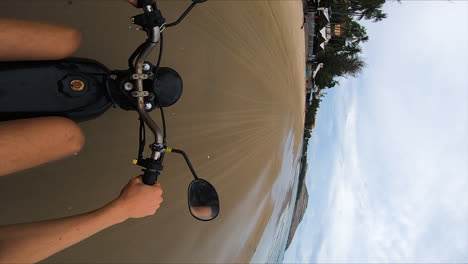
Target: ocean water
[272,245]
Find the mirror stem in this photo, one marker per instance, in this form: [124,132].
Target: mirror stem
[181,152]
[182,16]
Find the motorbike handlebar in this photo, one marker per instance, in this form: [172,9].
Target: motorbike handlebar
[153,23]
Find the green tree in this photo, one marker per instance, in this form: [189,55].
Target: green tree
[354,32]
[362,9]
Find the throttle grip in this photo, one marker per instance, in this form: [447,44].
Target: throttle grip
[150,177]
[152,170]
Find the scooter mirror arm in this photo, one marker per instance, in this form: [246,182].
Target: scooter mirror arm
[189,164]
[187,11]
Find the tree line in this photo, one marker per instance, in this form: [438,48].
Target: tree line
[342,56]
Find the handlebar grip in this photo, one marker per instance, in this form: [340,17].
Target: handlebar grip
[152,170]
[150,177]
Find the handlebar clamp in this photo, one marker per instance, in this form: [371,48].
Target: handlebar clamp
[149,20]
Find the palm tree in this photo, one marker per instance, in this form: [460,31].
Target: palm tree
[368,9]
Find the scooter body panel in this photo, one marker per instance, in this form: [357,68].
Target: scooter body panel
[74,88]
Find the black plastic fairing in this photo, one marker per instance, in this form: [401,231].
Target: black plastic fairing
[45,88]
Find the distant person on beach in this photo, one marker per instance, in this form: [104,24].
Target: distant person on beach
[27,143]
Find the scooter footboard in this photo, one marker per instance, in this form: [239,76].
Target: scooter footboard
[74,88]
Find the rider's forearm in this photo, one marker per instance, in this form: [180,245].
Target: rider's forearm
[32,242]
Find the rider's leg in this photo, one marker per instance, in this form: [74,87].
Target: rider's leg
[28,40]
[30,142]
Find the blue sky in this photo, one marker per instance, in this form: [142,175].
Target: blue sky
[388,160]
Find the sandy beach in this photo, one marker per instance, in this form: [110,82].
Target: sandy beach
[240,119]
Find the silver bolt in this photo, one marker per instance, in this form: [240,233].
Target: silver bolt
[128,86]
[148,106]
[146,67]
[140,94]
[139,76]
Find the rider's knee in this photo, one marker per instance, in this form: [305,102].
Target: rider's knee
[73,135]
[71,40]
[76,139]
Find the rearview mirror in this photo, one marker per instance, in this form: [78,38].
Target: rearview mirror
[203,200]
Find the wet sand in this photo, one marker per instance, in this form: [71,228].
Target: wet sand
[240,119]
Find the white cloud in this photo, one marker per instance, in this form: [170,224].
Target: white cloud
[395,175]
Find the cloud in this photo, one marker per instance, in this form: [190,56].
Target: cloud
[388,173]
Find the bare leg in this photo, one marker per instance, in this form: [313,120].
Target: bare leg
[27,143]
[30,142]
[28,40]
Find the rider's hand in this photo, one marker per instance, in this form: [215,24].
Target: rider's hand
[138,199]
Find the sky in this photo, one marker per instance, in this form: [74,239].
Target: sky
[388,160]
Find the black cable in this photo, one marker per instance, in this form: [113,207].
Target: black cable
[181,152]
[142,132]
[158,63]
[142,139]
[182,16]
[137,52]
[163,120]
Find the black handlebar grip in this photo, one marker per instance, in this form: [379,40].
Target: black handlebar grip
[152,170]
[150,177]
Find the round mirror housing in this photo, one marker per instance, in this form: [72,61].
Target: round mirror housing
[203,200]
